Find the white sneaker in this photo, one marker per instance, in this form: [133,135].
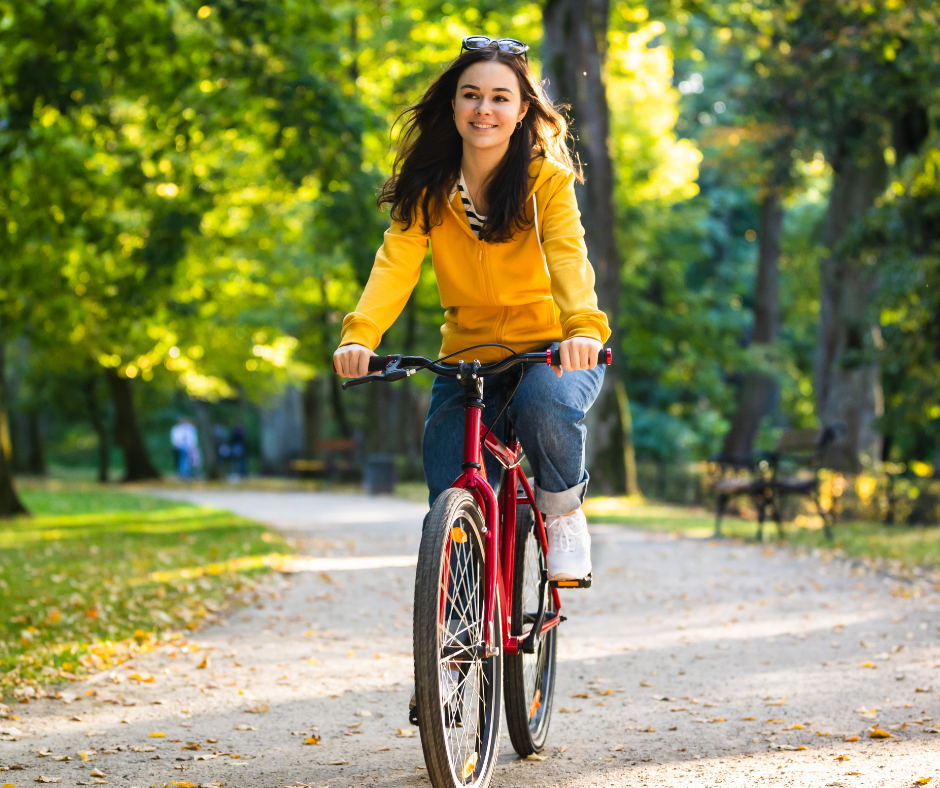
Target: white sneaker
[569,546]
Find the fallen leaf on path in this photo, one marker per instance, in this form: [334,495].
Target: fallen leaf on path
[97,773]
[530,757]
[244,727]
[645,684]
[780,702]
[183,784]
[383,749]
[798,727]
[364,713]
[204,664]
[312,739]
[338,763]
[261,708]
[849,738]
[406,733]
[43,779]
[923,780]
[144,748]
[842,758]
[87,755]
[928,689]
[618,748]
[868,665]
[62,757]
[878,733]
[748,719]
[716,719]
[775,721]
[157,735]
[578,695]
[568,710]
[650,729]
[562,748]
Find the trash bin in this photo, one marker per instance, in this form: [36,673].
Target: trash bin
[380,474]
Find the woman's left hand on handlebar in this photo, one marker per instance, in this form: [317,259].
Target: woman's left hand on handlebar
[578,353]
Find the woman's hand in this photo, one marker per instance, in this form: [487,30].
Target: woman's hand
[578,353]
[352,361]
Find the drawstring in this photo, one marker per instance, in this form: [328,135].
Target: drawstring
[535,208]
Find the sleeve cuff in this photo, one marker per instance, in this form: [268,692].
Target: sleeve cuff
[593,328]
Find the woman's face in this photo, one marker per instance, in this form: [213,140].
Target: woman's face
[488,105]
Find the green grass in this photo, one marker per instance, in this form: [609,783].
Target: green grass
[96,575]
[910,545]
[43,502]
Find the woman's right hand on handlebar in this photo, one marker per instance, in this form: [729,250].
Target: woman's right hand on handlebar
[352,361]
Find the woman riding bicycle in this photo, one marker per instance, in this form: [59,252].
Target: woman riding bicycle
[491,190]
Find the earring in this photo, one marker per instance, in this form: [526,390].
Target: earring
[519,125]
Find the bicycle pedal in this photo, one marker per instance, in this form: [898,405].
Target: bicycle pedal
[584,582]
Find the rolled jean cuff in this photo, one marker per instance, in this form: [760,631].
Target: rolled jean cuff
[559,502]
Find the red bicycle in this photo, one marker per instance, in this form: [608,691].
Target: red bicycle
[481,553]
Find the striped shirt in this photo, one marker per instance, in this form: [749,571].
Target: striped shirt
[476,220]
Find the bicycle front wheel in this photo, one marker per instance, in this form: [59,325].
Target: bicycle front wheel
[530,678]
[458,689]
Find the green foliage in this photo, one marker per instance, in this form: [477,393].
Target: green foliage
[187,192]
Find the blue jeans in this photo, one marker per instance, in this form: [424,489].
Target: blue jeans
[546,415]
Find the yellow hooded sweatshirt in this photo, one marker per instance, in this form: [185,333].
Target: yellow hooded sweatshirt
[530,291]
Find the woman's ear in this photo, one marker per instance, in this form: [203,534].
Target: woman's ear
[523,110]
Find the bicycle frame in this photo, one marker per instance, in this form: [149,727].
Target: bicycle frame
[499,516]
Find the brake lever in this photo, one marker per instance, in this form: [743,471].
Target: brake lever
[392,373]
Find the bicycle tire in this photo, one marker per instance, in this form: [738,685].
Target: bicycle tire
[458,700]
[528,714]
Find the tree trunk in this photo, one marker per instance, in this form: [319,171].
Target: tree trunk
[757,389]
[206,437]
[313,416]
[90,390]
[35,456]
[629,453]
[10,503]
[137,464]
[848,384]
[574,50]
[339,409]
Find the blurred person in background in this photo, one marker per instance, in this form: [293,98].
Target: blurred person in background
[185,442]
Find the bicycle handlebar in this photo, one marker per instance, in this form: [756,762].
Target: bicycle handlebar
[397,367]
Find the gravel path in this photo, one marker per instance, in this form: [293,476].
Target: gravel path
[689,663]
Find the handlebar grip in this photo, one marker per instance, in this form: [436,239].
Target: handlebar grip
[377,363]
[554,356]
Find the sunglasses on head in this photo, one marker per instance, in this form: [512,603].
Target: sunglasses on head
[511,45]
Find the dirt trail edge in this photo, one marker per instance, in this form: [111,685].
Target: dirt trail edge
[688,663]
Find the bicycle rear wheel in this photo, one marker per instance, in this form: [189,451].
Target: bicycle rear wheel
[530,678]
[458,690]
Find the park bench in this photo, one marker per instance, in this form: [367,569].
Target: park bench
[792,468]
[338,455]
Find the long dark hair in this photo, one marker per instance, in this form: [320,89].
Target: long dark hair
[427,165]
